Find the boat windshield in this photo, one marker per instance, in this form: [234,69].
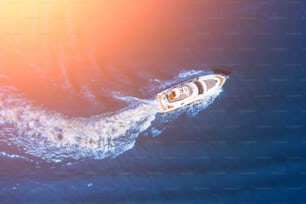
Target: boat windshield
[179,93]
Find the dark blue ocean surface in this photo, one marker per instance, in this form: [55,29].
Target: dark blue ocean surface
[100,139]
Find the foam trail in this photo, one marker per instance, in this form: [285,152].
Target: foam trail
[13,156]
[55,137]
[128,99]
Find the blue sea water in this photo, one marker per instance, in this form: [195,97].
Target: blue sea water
[245,144]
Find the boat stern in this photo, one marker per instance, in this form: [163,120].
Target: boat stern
[164,106]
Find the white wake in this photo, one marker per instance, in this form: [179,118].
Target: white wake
[55,137]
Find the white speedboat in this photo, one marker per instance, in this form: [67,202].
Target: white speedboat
[189,92]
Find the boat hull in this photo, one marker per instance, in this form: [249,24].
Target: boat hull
[189,92]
